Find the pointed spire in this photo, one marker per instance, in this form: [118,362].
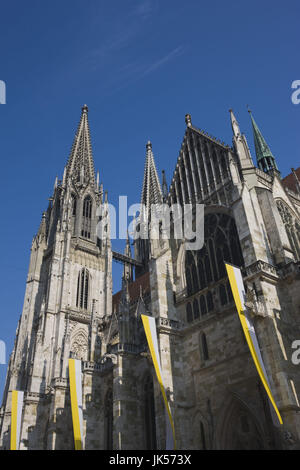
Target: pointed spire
[151,192]
[234,124]
[127,251]
[165,190]
[80,164]
[265,159]
[125,296]
[141,308]
[42,228]
[240,144]
[127,270]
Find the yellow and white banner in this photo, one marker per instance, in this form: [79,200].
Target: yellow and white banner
[16,419]
[76,401]
[238,291]
[150,330]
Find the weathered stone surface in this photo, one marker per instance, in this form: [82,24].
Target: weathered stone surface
[212,385]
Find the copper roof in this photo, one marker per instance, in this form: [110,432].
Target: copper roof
[290,180]
[141,283]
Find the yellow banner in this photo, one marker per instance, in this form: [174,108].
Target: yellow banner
[238,291]
[16,419]
[150,330]
[76,401]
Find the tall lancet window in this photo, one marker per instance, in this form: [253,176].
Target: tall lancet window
[149,414]
[73,210]
[82,296]
[109,420]
[86,217]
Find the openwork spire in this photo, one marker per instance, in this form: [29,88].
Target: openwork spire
[80,166]
[265,159]
[151,192]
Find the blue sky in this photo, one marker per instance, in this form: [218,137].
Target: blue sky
[140,65]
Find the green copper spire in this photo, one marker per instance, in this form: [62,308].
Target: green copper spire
[265,159]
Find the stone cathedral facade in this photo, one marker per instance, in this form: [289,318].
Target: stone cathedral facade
[252,220]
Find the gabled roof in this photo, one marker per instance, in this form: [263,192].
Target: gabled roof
[292,180]
[141,284]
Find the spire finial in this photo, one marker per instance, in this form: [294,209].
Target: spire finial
[149,145]
[84,108]
[188,120]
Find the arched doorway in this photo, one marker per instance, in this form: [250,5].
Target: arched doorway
[239,429]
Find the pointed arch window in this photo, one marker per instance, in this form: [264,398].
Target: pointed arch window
[82,296]
[86,217]
[196,309]
[74,204]
[202,436]
[189,281]
[209,301]
[204,347]
[149,414]
[229,292]
[206,266]
[73,211]
[203,305]
[222,294]
[109,420]
[189,313]
[291,226]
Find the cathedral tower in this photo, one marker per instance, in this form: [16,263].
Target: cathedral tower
[68,291]
[251,220]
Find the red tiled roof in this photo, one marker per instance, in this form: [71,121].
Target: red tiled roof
[290,181]
[134,289]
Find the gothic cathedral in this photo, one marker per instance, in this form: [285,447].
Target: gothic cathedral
[251,219]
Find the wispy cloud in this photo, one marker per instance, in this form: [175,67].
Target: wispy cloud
[121,56]
[135,71]
[116,43]
[144,9]
[123,33]
[167,58]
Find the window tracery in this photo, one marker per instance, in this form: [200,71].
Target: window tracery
[86,217]
[292,227]
[205,268]
[82,296]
